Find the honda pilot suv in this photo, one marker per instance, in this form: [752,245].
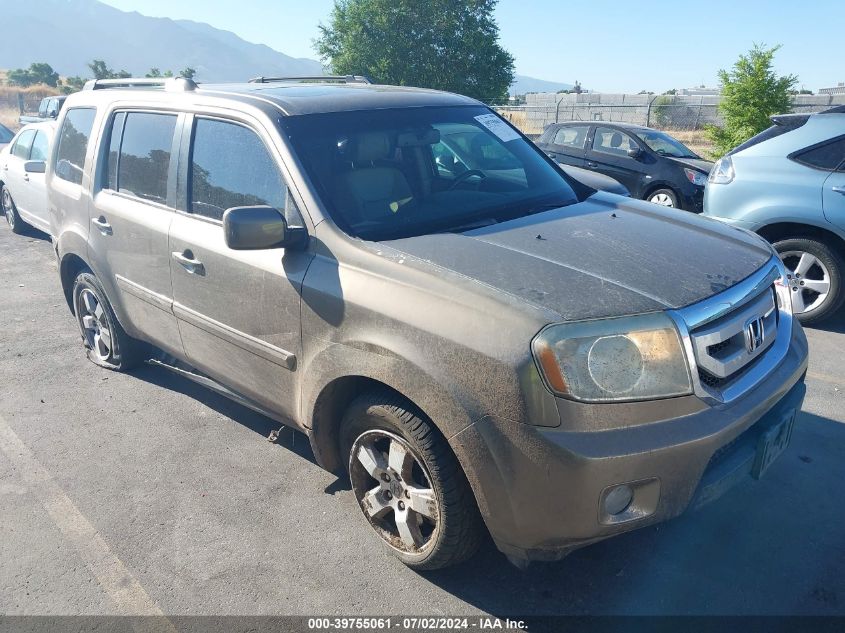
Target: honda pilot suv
[500,348]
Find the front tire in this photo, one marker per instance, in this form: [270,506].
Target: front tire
[408,483]
[13,218]
[815,274]
[107,344]
[664,197]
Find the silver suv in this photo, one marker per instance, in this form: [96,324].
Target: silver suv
[497,348]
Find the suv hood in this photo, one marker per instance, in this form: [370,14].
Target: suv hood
[697,163]
[606,256]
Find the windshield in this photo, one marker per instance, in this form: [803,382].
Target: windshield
[665,145]
[403,172]
[6,134]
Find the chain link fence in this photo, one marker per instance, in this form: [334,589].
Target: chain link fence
[666,112]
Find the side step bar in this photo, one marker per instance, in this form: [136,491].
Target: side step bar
[190,373]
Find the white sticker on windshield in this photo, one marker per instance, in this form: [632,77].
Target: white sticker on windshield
[497,126]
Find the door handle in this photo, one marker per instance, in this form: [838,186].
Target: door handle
[838,190]
[592,164]
[26,177]
[186,259]
[102,224]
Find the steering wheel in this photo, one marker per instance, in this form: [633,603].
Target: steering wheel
[469,173]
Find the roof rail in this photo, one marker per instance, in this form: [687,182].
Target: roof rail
[170,84]
[333,79]
[840,109]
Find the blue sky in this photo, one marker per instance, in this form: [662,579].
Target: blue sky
[608,45]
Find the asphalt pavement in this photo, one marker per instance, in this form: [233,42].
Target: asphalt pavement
[146,494]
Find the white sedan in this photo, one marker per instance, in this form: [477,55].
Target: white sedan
[22,188]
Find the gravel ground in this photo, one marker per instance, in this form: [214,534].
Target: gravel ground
[146,494]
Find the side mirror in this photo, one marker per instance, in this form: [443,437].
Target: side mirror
[257,228]
[52,113]
[35,166]
[634,152]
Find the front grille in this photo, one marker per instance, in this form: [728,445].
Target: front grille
[729,346]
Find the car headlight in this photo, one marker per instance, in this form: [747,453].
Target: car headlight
[699,179]
[610,360]
[722,172]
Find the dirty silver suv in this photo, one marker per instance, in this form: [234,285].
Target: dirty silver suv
[485,346]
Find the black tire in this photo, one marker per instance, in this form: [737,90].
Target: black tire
[671,195]
[828,259]
[13,218]
[122,352]
[459,527]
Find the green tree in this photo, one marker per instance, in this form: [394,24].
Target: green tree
[73,84]
[187,73]
[445,44]
[37,73]
[751,93]
[101,71]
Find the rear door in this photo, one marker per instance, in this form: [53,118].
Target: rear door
[13,173]
[609,155]
[833,191]
[33,193]
[568,144]
[130,220]
[238,311]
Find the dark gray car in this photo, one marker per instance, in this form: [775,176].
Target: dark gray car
[499,348]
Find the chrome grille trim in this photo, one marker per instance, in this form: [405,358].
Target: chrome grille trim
[765,291]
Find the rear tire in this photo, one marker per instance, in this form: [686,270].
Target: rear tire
[816,278]
[17,225]
[408,483]
[105,341]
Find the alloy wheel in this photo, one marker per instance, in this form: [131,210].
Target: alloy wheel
[95,325]
[394,491]
[809,280]
[7,208]
[662,199]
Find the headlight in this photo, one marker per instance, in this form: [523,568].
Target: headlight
[696,177]
[722,172]
[610,360]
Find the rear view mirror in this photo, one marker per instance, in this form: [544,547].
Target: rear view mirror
[259,227]
[35,166]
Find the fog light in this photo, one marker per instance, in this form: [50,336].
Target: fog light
[617,500]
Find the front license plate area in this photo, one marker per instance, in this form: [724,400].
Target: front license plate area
[772,443]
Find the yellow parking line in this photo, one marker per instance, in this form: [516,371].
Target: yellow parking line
[825,378]
[121,586]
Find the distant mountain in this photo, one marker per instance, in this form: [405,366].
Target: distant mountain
[68,34]
[523,84]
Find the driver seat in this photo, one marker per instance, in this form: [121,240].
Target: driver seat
[369,191]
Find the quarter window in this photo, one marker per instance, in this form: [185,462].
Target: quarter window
[40,146]
[828,156]
[23,144]
[144,156]
[231,167]
[573,136]
[73,144]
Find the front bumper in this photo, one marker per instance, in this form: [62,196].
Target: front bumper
[693,199]
[540,489]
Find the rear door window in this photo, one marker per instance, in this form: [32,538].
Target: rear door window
[144,157]
[23,144]
[73,144]
[573,136]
